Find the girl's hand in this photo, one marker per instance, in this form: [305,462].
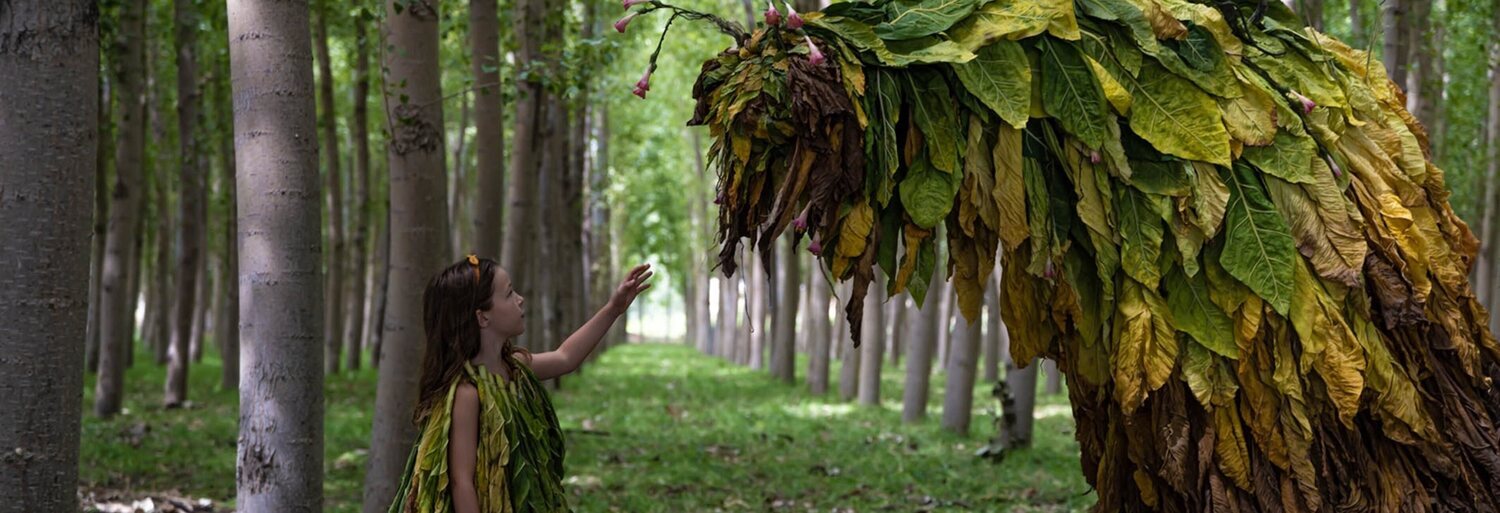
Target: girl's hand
[633,285]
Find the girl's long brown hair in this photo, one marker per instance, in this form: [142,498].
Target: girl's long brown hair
[452,331]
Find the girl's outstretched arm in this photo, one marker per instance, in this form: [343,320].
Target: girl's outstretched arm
[570,355]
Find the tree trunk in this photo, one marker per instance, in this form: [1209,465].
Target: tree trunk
[489,125]
[849,356]
[160,326]
[728,328]
[945,324]
[958,394]
[524,151]
[101,215]
[355,333]
[200,306]
[1021,383]
[189,206]
[993,357]
[1418,58]
[783,343]
[896,309]
[228,325]
[1357,24]
[457,181]
[380,278]
[117,312]
[757,301]
[333,264]
[1312,12]
[872,345]
[921,340]
[1492,184]
[702,278]
[1394,25]
[1054,377]
[49,107]
[417,225]
[279,464]
[1436,109]
[818,332]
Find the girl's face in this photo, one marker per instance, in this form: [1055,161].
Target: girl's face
[507,314]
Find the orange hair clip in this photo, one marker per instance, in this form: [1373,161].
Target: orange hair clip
[474,261]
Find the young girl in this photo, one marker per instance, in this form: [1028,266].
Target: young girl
[490,442]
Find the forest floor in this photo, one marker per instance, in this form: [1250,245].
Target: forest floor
[650,427]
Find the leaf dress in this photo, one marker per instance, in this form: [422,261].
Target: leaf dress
[520,451]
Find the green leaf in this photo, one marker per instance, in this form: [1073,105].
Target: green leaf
[1000,76]
[936,114]
[1141,232]
[1071,94]
[1198,49]
[1169,177]
[1198,316]
[926,50]
[927,193]
[926,264]
[906,19]
[1001,20]
[1176,117]
[884,110]
[1258,250]
[1289,157]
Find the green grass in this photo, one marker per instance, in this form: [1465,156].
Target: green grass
[650,428]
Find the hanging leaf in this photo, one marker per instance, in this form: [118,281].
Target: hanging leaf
[1197,315]
[1010,187]
[906,19]
[1142,232]
[927,193]
[1259,250]
[1176,117]
[1289,157]
[880,136]
[1014,21]
[1070,92]
[1147,346]
[934,111]
[1000,77]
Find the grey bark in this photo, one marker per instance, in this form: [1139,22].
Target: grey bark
[489,125]
[849,356]
[279,463]
[159,309]
[895,313]
[417,225]
[1357,23]
[49,108]
[380,274]
[945,323]
[1393,26]
[958,394]
[872,345]
[116,314]
[757,301]
[524,151]
[189,204]
[993,358]
[1022,386]
[228,323]
[1054,376]
[333,264]
[921,340]
[457,182]
[701,276]
[728,317]
[783,341]
[101,216]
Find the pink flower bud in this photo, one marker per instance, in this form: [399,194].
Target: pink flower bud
[1307,103]
[793,20]
[773,16]
[816,247]
[644,83]
[639,92]
[625,22]
[1094,157]
[1337,173]
[800,223]
[719,200]
[1049,271]
[629,3]
[814,56]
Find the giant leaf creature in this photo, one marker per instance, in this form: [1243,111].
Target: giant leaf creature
[1223,225]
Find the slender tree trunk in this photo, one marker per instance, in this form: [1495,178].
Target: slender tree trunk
[200,306]
[1394,26]
[457,181]
[702,278]
[945,324]
[1419,58]
[759,298]
[101,216]
[160,326]
[1492,188]
[1054,376]
[355,333]
[1312,12]
[872,346]
[489,125]
[895,312]
[228,325]
[381,278]
[958,394]
[117,310]
[49,104]
[1357,23]
[993,357]
[134,271]
[728,317]
[783,343]
[417,225]
[333,265]
[849,356]
[189,204]
[280,458]
[921,341]
[1437,128]
[818,332]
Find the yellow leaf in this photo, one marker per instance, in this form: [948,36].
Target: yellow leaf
[1113,90]
[1328,345]
[1251,118]
[1010,187]
[856,230]
[1146,345]
[1229,445]
[1162,23]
